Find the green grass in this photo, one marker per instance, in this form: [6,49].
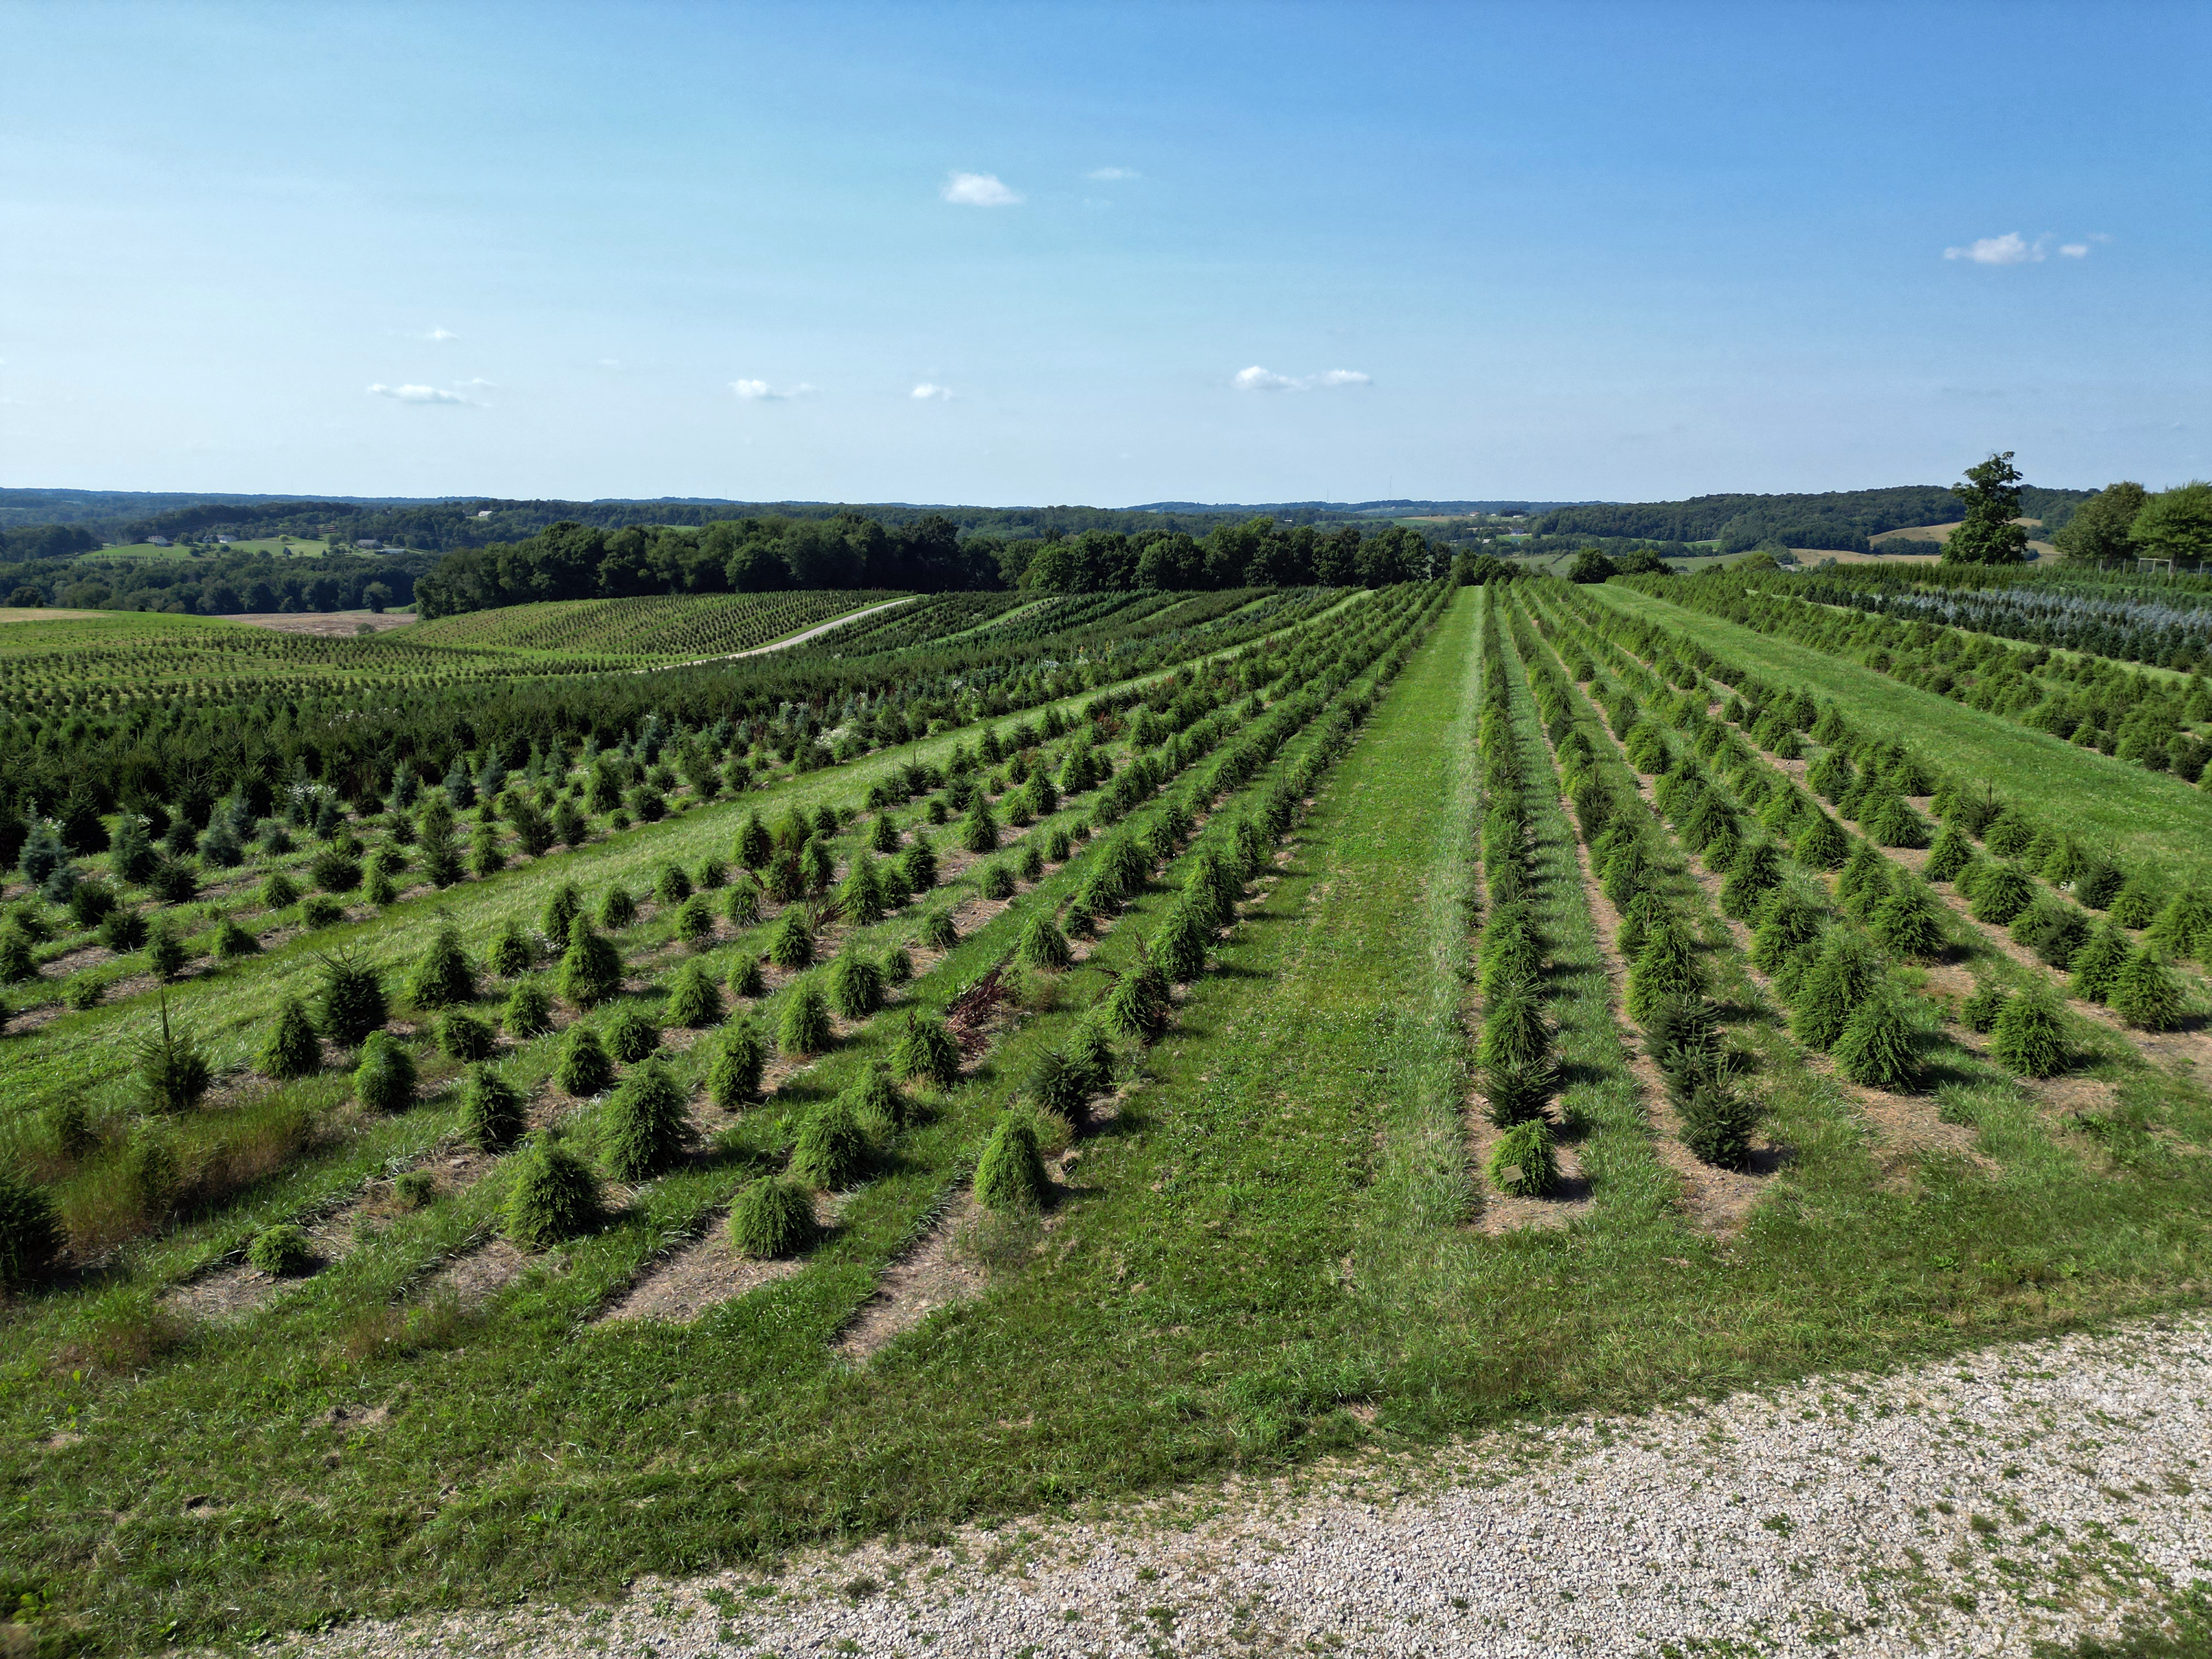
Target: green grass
[2148,821]
[1265,1238]
[270,546]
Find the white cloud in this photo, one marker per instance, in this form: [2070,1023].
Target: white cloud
[1256,379]
[1108,175]
[979,190]
[441,334]
[479,380]
[610,363]
[2006,250]
[2075,250]
[760,392]
[416,394]
[928,390]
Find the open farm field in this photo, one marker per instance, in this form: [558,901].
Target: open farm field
[847,1094]
[289,547]
[328,625]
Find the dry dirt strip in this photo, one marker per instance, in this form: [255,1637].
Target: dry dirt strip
[2044,1491]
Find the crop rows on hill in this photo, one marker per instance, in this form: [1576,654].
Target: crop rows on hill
[639,629]
[2092,703]
[259,867]
[1873,780]
[1889,904]
[1167,726]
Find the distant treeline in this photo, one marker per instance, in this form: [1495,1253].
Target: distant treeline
[573,560]
[1841,520]
[46,541]
[217,584]
[444,525]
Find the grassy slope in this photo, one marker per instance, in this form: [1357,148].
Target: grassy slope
[1227,1274]
[2148,820]
[766,1437]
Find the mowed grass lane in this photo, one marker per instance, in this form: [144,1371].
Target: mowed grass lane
[2149,821]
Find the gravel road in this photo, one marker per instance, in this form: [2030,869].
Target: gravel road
[1972,1507]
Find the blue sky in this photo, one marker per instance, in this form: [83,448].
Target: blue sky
[1112,254]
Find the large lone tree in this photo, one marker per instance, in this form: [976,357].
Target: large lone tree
[1989,536]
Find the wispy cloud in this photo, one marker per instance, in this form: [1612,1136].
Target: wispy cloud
[2075,250]
[760,392]
[2006,250]
[479,380]
[441,334]
[928,390]
[1256,379]
[416,394]
[1108,175]
[979,190]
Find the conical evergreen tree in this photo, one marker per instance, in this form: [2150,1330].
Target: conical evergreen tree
[1841,979]
[1908,923]
[1181,945]
[734,1078]
[693,1000]
[444,975]
[832,1151]
[856,985]
[2030,1035]
[1876,1047]
[2146,993]
[1044,946]
[1953,852]
[584,1069]
[554,1196]
[1010,1178]
[2001,893]
[491,1110]
[1790,918]
[592,968]
[529,1011]
[1669,966]
[292,1049]
[384,1080]
[648,1126]
[772,1218]
[2097,964]
[791,945]
[805,1027]
[1756,872]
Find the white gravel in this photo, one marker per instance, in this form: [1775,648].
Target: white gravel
[1971,1507]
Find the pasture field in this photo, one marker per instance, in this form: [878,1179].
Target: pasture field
[273,547]
[1190,1035]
